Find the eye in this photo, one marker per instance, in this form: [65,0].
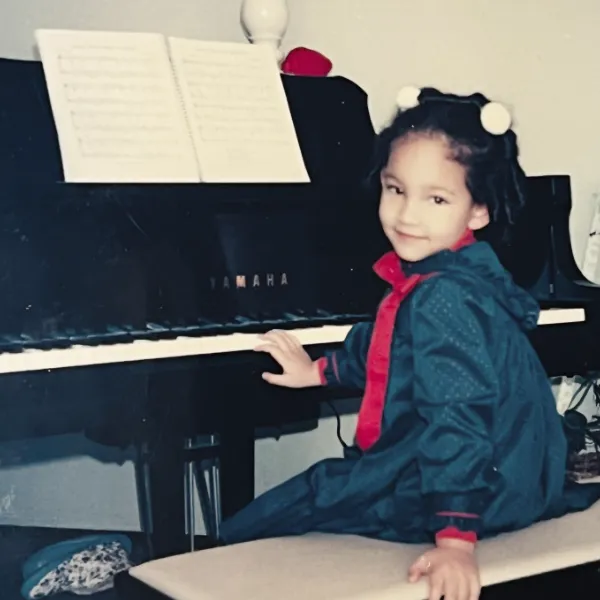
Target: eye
[394,189]
[439,200]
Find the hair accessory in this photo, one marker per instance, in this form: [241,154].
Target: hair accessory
[495,118]
[408,97]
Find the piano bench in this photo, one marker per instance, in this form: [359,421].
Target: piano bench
[341,567]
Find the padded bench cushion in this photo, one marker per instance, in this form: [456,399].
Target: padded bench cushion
[336,567]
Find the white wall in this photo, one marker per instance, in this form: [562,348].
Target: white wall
[538,57]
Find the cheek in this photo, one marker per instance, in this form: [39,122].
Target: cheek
[386,210]
[382,211]
[453,222]
[439,222]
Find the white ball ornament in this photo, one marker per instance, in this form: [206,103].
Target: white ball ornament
[408,97]
[495,118]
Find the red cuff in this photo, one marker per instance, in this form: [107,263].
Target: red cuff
[322,365]
[456,534]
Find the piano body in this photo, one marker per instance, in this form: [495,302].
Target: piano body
[130,311]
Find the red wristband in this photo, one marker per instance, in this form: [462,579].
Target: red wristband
[322,365]
[456,534]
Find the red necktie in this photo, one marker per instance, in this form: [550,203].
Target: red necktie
[389,268]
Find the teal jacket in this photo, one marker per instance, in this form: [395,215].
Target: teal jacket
[470,436]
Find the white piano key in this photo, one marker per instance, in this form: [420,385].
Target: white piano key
[144,350]
[557,316]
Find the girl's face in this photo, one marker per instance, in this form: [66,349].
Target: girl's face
[425,205]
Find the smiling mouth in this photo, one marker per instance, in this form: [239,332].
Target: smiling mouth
[409,236]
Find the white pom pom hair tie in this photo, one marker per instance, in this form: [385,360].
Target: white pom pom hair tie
[408,97]
[495,118]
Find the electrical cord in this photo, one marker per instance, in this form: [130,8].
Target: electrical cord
[338,427]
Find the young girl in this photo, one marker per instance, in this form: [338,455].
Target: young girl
[458,437]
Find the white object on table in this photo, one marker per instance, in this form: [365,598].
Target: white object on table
[265,22]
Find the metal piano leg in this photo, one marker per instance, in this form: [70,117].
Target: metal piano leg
[142,484]
[208,493]
[190,512]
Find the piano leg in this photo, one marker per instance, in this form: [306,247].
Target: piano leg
[181,404]
[165,466]
[166,484]
[143,491]
[230,397]
[236,465]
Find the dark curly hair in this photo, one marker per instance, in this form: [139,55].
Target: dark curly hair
[494,176]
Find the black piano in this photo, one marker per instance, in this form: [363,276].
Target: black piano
[102,266]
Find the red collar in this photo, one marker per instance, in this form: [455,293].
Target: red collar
[389,267]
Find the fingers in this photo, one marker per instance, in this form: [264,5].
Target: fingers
[414,574]
[285,349]
[469,586]
[437,588]
[283,339]
[444,581]
[474,588]
[275,351]
[281,379]
[460,588]
[419,568]
[275,379]
[281,345]
[453,586]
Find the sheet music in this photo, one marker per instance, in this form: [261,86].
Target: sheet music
[116,107]
[238,112]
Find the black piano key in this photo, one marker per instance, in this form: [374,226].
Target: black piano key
[9,347]
[45,345]
[253,323]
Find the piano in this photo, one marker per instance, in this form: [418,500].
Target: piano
[130,312]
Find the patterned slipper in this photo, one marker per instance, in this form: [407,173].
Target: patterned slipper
[57,553]
[85,570]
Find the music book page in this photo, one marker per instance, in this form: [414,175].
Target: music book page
[238,112]
[116,107]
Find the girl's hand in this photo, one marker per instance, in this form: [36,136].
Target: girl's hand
[452,571]
[299,370]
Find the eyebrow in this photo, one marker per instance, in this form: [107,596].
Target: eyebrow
[432,188]
[437,188]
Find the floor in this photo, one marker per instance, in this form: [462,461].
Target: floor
[575,583]
[18,543]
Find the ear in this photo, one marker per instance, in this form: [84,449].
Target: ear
[480,217]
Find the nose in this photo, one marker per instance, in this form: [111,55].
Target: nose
[407,212]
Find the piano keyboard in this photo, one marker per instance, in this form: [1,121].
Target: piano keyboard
[144,350]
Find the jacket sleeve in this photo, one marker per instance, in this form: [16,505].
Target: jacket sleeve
[346,367]
[456,390]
